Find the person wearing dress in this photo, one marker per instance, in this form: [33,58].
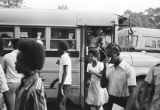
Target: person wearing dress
[97,96]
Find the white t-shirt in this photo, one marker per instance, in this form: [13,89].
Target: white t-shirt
[65,60]
[9,65]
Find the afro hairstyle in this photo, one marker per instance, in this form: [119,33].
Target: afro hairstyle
[94,52]
[63,45]
[33,53]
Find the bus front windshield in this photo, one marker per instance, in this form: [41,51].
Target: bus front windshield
[128,42]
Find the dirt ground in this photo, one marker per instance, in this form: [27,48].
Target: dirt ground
[70,106]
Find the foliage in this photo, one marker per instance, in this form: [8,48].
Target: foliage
[150,18]
[11,3]
[62,7]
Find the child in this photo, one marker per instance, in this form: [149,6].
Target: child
[97,96]
[30,59]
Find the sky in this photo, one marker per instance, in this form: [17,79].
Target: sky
[115,6]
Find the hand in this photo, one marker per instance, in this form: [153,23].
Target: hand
[57,62]
[88,82]
[89,71]
[107,60]
[61,90]
[53,83]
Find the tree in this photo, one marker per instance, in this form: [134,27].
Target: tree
[154,15]
[150,18]
[11,3]
[62,7]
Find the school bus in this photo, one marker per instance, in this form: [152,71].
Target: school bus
[142,45]
[51,26]
[140,39]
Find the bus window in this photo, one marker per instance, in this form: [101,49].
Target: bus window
[135,40]
[132,40]
[33,33]
[7,33]
[127,42]
[58,34]
[152,42]
[158,44]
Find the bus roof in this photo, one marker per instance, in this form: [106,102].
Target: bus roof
[41,17]
[146,32]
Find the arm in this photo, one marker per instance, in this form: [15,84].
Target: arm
[132,98]
[7,100]
[99,72]
[4,88]
[146,87]
[4,66]
[54,82]
[98,75]
[131,88]
[65,69]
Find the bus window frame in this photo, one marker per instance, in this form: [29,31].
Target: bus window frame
[38,27]
[47,35]
[133,36]
[64,27]
[152,42]
[12,37]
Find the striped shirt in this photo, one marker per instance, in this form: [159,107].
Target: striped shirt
[153,78]
[31,94]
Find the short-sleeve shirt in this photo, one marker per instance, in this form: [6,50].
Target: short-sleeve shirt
[3,82]
[120,78]
[65,60]
[9,64]
[153,78]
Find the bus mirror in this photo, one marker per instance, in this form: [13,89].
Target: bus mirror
[130,32]
[121,20]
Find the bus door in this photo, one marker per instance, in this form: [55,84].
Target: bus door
[91,36]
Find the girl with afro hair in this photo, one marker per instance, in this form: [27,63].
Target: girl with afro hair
[30,60]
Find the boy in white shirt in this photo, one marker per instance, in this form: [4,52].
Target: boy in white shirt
[121,80]
[65,75]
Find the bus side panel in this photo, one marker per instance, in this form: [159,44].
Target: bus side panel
[50,72]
